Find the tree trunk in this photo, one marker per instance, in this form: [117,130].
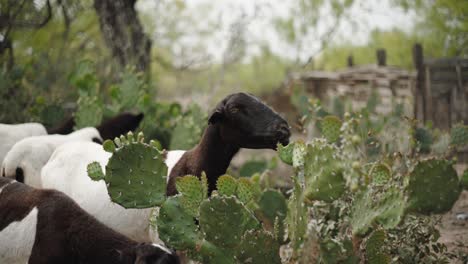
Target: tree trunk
[123,32]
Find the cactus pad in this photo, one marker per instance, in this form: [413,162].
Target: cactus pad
[330,126]
[286,153]
[380,174]
[192,193]
[94,170]
[385,207]
[258,247]
[245,190]
[176,227]
[323,172]
[135,174]
[226,185]
[464,180]
[298,153]
[459,135]
[433,187]
[223,221]
[375,254]
[89,112]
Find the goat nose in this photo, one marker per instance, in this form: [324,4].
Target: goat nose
[283,129]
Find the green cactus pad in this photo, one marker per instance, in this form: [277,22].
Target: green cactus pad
[258,247]
[375,254]
[297,217]
[323,172]
[433,187]
[459,135]
[136,174]
[95,172]
[89,112]
[298,153]
[464,180]
[245,190]
[330,126]
[272,211]
[386,207]
[109,146]
[226,185]
[192,191]
[286,153]
[176,227]
[423,139]
[380,174]
[223,221]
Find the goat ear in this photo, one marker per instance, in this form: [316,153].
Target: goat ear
[217,115]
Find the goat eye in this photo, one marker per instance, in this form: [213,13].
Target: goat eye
[234,110]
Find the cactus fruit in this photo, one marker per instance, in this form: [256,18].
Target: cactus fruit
[375,254]
[323,173]
[286,153]
[433,187]
[330,128]
[226,185]
[385,207]
[223,221]
[249,248]
[464,180]
[89,112]
[192,193]
[135,174]
[459,135]
[380,174]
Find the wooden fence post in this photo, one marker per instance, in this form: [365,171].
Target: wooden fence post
[419,93]
[381,57]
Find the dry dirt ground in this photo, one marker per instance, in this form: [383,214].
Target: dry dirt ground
[454,226]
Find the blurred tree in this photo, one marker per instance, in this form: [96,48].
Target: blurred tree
[123,32]
[311,21]
[443,24]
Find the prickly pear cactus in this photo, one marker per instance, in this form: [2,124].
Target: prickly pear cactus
[226,185]
[188,129]
[193,193]
[464,180]
[459,135]
[246,190]
[249,253]
[89,112]
[227,232]
[135,174]
[286,153]
[423,139]
[375,254]
[297,217]
[375,205]
[330,126]
[273,210]
[323,173]
[433,187]
[380,174]
[298,153]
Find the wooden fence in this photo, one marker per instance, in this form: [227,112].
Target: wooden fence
[441,91]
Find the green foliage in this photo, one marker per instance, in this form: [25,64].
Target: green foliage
[89,112]
[135,174]
[251,167]
[189,128]
[433,187]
